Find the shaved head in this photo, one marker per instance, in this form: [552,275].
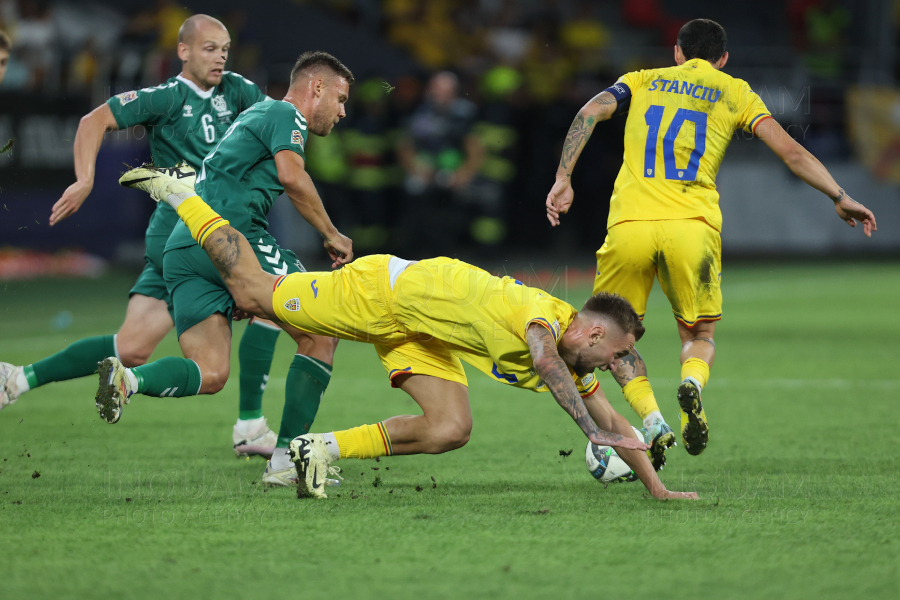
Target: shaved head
[195,24]
[203,45]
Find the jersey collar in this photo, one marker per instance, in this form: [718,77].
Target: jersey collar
[697,63]
[205,95]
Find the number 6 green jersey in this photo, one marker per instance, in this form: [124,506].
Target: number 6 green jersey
[239,179]
[183,123]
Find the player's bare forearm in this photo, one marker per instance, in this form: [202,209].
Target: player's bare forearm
[554,372]
[88,139]
[299,187]
[234,259]
[808,168]
[600,108]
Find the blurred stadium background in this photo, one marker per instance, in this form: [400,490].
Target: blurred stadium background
[825,68]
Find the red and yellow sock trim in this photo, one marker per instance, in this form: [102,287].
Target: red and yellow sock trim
[365,441]
[386,439]
[209,227]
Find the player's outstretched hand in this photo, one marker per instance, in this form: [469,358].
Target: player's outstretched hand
[604,438]
[70,201]
[665,494]
[851,211]
[559,199]
[340,249]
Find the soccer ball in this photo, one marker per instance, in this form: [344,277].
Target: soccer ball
[606,466]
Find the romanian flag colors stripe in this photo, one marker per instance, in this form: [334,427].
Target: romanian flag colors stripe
[386,439]
[209,227]
[545,323]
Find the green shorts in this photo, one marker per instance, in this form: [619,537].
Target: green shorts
[151,282]
[197,290]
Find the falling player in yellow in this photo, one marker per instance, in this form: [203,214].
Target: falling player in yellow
[664,217]
[423,317]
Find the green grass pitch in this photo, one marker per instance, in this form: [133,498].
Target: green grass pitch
[798,486]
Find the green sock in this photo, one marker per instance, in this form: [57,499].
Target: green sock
[168,377]
[255,356]
[78,360]
[306,382]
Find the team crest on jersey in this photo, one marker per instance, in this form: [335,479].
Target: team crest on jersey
[297,138]
[219,103]
[127,97]
[221,106]
[292,305]
[188,111]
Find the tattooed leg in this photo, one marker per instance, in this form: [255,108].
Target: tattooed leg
[697,341]
[249,285]
[628,368]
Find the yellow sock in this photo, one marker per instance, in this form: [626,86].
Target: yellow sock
[639,395]
[366,441]
[696,368]
[199,217]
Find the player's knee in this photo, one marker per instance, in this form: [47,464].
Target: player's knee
[453,435]
[324,345]
[245,300]
[133,355]
[213,380]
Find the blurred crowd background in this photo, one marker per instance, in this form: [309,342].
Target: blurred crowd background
[457,119]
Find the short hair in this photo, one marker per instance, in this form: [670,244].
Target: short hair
[192,23]
[314,60]
[618,309]
[5,42]
[702,38]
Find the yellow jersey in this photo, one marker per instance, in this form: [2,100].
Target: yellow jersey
[483,319]
[479,318]
[680,121]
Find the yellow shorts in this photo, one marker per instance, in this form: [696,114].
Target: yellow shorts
[686,256]
[353,303]
[422,358]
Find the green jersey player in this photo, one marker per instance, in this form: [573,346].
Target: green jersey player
[184,117]
[258,158]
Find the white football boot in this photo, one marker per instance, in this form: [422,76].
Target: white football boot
[115,390]
[279,477]
[313,461]
[288,477]
[9,390]
[160,182]
[260,442]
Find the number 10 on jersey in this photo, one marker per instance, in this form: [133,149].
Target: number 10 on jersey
[653,117]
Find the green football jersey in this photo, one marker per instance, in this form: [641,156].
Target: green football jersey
[183,123]
[238,179]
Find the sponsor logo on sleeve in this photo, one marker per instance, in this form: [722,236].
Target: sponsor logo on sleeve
[127,97]
[587,380]
[292,305]
[297,138]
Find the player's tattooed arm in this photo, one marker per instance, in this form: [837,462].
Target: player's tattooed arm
[554,372]
[600,108]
